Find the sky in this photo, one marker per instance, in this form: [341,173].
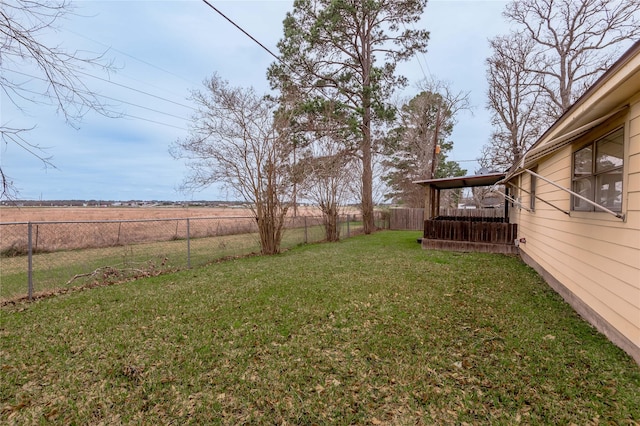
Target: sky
[161,50]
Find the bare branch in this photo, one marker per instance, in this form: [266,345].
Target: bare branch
[57,79]
[576,40]
[536,74]
[237,140]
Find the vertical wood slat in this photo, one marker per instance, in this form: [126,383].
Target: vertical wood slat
[412,218]
[406,219]
[471,231]
[474,213]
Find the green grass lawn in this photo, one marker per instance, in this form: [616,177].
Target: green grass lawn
[371,330]
[55,271]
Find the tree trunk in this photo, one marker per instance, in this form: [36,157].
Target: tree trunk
[367,171]
[332,232]
[270,213]
[434,155]
[367,186]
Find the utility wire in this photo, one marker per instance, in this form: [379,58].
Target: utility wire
[114,83]
[137,90]
[153,121]
[122,101]
[244,32]
[144,107]
[289,67]
[418,58]
[424,56]
[130,56]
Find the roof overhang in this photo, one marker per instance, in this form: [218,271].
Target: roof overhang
[463,181]
[607,97]
[555,144]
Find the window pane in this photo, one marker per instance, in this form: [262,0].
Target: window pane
[582,162]
[610,151]
[584,188]
[532,192]
[609,190]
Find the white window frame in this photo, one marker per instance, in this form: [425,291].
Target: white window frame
[592,176]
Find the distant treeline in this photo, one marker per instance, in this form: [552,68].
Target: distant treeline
[111,203]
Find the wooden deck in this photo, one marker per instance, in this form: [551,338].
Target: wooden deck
[470,234]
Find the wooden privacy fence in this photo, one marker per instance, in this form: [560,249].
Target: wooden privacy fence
[406,219]
[412,219]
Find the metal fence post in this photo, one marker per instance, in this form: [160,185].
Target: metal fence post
[348,231]
[306,237]
[30,260]
[188,244]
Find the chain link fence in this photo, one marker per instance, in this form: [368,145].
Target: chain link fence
[42,258]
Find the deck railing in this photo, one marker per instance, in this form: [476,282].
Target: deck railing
[473,231]
[475,213]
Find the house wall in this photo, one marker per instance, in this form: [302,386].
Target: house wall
[591,258]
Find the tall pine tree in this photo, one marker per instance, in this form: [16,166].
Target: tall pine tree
[346,52]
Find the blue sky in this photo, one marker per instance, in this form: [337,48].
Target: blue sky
[163,49]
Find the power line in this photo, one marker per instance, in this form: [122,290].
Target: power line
[144,107]
[154,121]
[130,56]
[137,90]
[119,100]
[426,63]
[114,83]
[289,67]
[244,32]
[418,58]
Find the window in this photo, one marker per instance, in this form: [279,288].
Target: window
[514,193]
[532,192]
[597,173]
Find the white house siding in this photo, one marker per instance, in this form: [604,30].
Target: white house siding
[593,258]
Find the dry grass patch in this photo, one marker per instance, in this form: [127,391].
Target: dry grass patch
[52,214]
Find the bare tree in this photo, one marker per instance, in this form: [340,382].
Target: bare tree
[556,51]
[575,41]
[448,104]
[238,139]
[418,145]
[323,163]
[314,125]
[513,101]
[327,170]
[35,72]
[481,195]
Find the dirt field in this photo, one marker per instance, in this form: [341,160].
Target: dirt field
[54,214]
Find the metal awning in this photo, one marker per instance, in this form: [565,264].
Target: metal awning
[572,193]
[463,181]
[537,152]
